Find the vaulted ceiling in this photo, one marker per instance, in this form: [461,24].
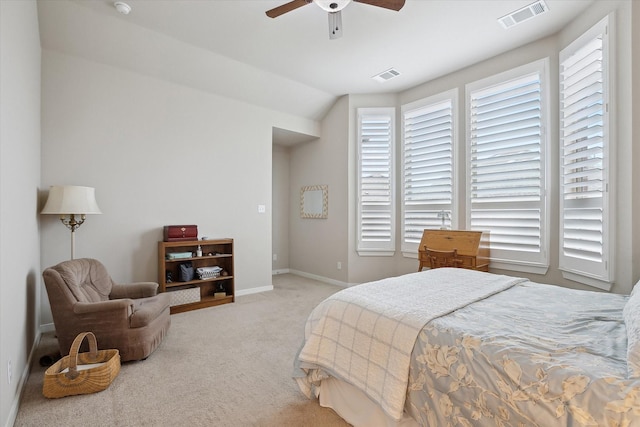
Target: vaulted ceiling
[231,48]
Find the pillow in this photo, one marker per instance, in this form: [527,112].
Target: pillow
[631,315]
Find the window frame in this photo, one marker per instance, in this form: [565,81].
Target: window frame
[410,249]
[377,248]
[600,275]
[501,259]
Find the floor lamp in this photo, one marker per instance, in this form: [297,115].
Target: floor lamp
[73,204]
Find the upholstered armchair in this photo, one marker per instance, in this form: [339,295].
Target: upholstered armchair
[132,318]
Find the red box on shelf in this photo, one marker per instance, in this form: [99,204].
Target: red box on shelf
[176,233]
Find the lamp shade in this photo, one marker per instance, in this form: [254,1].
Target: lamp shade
[71,199]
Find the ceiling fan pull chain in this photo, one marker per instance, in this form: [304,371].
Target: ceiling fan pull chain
[335,25]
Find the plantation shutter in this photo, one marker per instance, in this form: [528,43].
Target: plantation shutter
[506,168]
[583,157]
[427,169]
[376,218]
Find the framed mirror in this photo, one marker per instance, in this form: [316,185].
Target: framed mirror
[314,201]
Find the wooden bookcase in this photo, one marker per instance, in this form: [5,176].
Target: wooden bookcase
[217,252]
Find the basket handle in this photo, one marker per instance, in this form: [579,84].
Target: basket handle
[75,347]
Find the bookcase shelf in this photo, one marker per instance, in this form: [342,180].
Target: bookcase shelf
[198,293]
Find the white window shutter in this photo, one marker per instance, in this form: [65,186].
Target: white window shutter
[427,179]
[584,154]
[506,165]
[376,204]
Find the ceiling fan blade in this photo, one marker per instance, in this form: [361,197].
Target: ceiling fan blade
[287,7]
[387,4]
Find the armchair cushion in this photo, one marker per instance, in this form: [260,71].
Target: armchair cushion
[145,310]
[88,281]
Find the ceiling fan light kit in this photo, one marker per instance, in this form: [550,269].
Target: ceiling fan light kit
[334,7]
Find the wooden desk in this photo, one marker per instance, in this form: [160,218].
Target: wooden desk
[472,246]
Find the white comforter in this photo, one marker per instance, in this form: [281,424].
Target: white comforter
[365,334]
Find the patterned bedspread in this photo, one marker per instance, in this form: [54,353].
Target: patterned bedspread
[526,355]
[365,334]
[533,355]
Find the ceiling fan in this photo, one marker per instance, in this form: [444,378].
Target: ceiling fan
[334,7]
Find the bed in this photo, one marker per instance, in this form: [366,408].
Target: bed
[457,347]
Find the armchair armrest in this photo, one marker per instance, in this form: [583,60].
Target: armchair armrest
[106,316]
[133,290]
[125,304]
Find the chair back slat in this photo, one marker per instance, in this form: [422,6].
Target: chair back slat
[439,259]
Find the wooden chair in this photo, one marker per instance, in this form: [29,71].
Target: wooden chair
[438,259]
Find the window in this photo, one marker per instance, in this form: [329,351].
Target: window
[506,166]
[428,136]
[585,236]
[376,203]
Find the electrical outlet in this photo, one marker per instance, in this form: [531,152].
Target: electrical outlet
[339,265]
[275,257]
[9,372]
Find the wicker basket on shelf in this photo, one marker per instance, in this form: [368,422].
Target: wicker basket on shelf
[81,373]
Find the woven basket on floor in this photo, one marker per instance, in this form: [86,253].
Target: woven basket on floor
[81,373]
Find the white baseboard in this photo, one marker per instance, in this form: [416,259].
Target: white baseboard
[321,278]
[298,273]
[47,327]
[15,404]
[254,290]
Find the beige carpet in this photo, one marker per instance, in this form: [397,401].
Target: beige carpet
[221,366]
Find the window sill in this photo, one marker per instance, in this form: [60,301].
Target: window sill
[370,252]
[589,281]
[521,267]
[408,254]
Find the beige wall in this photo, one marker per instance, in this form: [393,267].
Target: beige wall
[160,153]
[635,157]
[317,245]
[19,181]
[157,153]
[281,196]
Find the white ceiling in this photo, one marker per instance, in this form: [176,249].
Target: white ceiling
[230,47]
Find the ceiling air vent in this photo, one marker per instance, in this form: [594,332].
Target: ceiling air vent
[521,15]
[386,75]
